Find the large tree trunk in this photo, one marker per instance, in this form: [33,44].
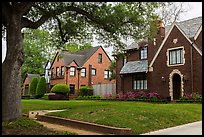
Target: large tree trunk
[11,71]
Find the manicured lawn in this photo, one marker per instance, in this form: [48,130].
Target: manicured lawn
[140,117]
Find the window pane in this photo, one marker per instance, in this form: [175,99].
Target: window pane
[83,72]
[72,71]
[134,84]
[141,84]
[178,54]
[138,84]
[93,72]
[145,84]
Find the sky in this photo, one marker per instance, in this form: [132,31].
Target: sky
[194,10]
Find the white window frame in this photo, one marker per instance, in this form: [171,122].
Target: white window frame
[83,72]
[93,70]
[143,53]
[72,71]
[168,56]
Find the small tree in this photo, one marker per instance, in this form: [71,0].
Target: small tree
[60,90]
[33,86]
[41,88]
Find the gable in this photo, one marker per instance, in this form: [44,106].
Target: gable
[167,37]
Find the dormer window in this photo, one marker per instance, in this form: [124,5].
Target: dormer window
[143,53]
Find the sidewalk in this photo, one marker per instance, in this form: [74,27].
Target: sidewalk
[187,129]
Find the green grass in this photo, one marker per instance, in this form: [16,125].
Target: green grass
[140,117]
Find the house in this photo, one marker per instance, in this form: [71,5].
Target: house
[26,83]
[170,64]
[82,68]
[47,74]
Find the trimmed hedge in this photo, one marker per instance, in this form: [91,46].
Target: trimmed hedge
[41,88]
[85,91]
[60,88]
[33,86]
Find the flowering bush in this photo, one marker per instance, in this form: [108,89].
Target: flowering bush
[191,96]
[138,95]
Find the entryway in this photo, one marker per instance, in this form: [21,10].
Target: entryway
[176,86]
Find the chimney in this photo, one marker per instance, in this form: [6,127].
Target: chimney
[161,29]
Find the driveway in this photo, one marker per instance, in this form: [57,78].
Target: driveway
[187,129]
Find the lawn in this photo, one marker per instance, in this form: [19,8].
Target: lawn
[141,117]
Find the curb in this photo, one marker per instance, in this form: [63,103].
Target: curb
[85,125]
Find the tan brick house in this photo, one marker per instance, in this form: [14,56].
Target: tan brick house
[171,64]
[82,68]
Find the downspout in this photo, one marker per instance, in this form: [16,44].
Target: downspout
[90,75]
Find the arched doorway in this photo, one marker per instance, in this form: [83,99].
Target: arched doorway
[176,86]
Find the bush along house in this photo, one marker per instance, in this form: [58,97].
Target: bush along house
[170,64]
[82,68]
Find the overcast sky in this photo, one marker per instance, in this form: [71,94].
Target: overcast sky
[194,10]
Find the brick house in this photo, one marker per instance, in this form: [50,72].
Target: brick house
[82,68]
[26,83]
[171,64]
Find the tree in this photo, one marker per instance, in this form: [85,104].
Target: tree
[33,86]
[41,87]
[36,42]
[110,23]
[170,12]
[112,68]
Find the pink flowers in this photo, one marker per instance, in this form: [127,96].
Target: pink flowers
[135,95]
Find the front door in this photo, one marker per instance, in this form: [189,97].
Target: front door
[176,86]
[72,88]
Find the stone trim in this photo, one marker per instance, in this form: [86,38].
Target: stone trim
[175,71]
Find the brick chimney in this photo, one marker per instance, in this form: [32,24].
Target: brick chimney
[161,29]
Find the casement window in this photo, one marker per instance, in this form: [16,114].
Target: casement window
[57,71]
[72,71]
[62,70]
[176,56]
[107,74]
[99,58]
[143,53]
[140,82]
[83,72]
[93,72]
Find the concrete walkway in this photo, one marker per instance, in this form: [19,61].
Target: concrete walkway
[187,129]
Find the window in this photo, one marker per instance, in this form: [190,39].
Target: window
[72,71]
[62,70]
[107,74]
[176,56]
[99,58]
[57,71]
[143,53]
[93,72]
[83,72]
[140,82]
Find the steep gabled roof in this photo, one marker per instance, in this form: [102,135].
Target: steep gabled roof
[189,27]
[30,76]
[186,33]
[79,57]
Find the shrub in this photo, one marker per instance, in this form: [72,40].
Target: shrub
[85,91]
[56,96]
[33,86]
[60,89]
[41,87]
